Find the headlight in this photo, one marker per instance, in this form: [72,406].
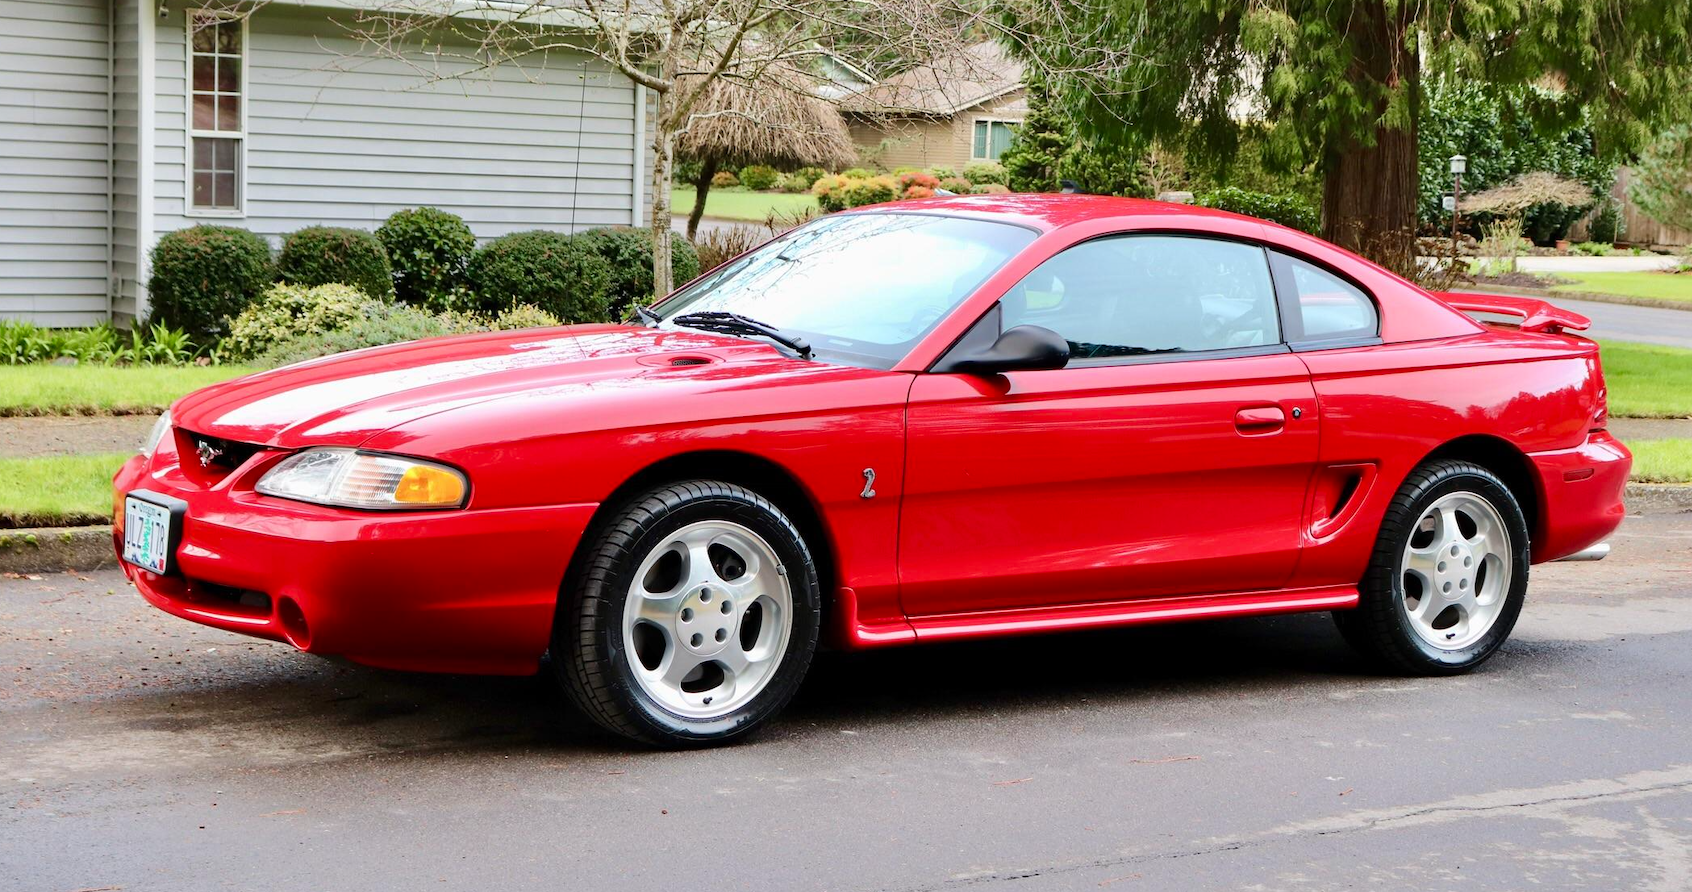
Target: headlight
[160,429]
[348,478]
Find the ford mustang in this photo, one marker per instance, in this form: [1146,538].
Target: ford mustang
[940,419]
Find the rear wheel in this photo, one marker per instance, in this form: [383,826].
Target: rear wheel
[694,617]
[1448,575]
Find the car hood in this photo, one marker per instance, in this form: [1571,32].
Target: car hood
[346,399]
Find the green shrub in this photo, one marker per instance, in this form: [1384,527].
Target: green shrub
[830,191]
[1607,225]
[1593,249]
[857,173]
[724,179]
[204,275]
[871,191]
[810,175]
[286,311]
[793,183]
[986,172]
[944,173]
[523,316]
[429,250]
[687,172]
[957,184]
[758,177]
[989,189]
[561,275]
[628,252]
[1287,210]
[384,323]
[323,255]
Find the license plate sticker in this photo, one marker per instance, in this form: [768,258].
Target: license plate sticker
[148,534]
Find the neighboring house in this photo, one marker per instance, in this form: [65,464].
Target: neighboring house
[949,112]
[119,123]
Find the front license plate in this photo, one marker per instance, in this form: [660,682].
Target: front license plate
[150,533]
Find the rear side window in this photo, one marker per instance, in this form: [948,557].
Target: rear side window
[1328,308]
[1143,295]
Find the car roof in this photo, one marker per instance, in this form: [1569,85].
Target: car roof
[1048,212]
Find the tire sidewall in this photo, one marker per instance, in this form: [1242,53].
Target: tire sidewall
[784,539]
[1484,485]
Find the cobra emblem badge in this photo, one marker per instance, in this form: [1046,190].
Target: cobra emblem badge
[869,484]
[207,453]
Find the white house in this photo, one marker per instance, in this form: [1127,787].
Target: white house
[121,120]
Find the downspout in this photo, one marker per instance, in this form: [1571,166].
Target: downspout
[146,104]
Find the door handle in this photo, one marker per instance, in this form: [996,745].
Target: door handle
[1259,420]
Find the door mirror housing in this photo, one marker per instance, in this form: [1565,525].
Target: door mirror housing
[1023,348]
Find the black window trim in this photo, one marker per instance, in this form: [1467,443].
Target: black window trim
[1093,362]
[1292,317]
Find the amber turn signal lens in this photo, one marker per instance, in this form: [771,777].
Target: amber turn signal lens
[425,485]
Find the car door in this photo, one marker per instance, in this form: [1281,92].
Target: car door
[1170,456]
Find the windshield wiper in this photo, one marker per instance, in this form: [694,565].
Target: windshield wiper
[647,316]
[734,323]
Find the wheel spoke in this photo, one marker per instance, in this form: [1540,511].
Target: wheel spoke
[660,610]
[678,663]
[1422,563]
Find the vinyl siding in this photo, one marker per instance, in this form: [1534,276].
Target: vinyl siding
[931,142]
[54,160]
[125,160]
[336,137]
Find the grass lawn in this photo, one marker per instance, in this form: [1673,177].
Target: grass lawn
[753,206]
[1662,461]
[101,390]
[60,490]
[1648,381]
[1662,286]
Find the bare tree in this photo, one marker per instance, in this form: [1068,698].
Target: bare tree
[682,51]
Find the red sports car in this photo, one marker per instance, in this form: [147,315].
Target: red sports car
[938,419]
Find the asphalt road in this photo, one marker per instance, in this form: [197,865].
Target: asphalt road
[139,752]
[1622,322]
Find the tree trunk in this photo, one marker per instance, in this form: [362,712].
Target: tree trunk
[1369,187]
[663,155]
[702,190]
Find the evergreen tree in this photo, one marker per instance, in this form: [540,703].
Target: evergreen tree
[1338,82]
[1036,152]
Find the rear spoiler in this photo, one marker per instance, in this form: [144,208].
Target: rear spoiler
[1536,315]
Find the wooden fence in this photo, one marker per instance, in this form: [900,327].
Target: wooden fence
[1640,229]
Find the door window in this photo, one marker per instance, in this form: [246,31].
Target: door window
[1144,295]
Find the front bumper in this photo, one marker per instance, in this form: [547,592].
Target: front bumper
[443,591]
[1580,495]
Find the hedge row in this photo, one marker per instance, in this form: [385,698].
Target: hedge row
[204,276]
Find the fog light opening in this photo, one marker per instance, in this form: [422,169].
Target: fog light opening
[293,622]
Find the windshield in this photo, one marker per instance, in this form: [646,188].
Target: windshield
[861,288]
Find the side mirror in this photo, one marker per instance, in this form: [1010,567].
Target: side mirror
[1024,348]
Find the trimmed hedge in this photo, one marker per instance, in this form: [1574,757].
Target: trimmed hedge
[430,250]
[1288,210]
[205,275]
[562,275]
[758,177]
[982,172]
[629,254]
[323,255]
[286,311]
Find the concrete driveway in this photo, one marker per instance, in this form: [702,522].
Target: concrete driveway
[139,752]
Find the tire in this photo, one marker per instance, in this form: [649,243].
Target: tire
[1431,604]
[692,619]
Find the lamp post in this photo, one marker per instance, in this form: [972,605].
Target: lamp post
[1459,166]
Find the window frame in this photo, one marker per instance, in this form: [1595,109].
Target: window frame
[189,209]
[1279,346]
[989,120]
[1292,312]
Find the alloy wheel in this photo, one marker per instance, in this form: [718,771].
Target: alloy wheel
[1456,571]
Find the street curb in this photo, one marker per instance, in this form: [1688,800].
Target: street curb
[54,549]
[1659,498]
[51,549]
[1590,296]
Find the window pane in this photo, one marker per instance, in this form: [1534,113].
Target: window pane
[216,173]
[205,73]
[224,195]
[228,74]
[1329,306]
[205,34]
[229,113]
[980,149]
[203,189]
[205,111]
[203,153]
[1141,295]
[224,159]
[1001,139]
[229,37]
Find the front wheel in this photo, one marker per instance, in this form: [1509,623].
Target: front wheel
[693,619]
[1448,574]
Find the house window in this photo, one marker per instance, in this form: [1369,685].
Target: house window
[991,139]
[216,116]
